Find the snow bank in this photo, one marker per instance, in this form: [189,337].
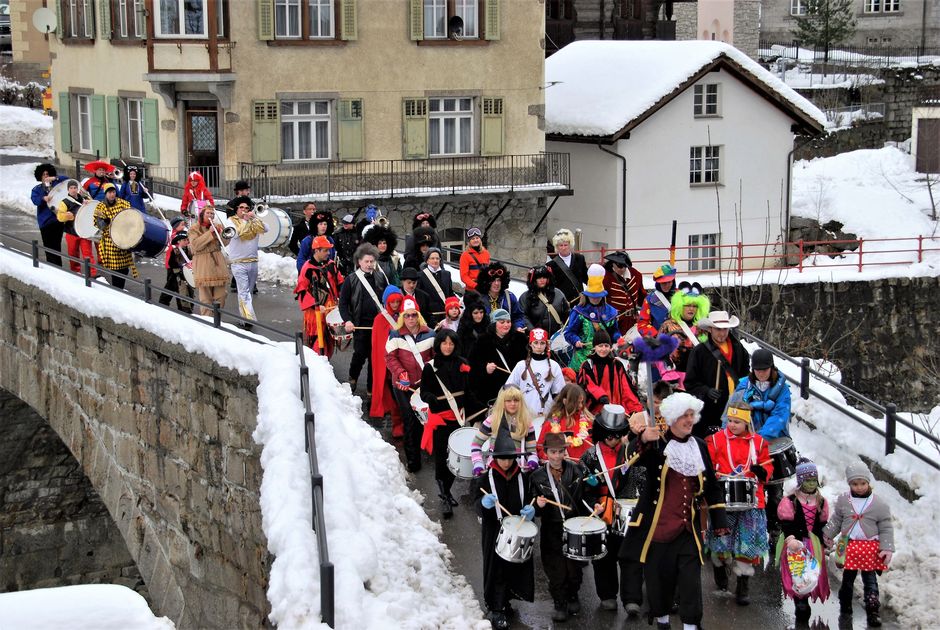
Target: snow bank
[86,607]
[25,131]
[16,186]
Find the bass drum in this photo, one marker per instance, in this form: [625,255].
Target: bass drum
[140,233]
[85,225]
[279,229]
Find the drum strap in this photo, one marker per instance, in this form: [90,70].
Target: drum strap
[551,309]
[368,287]
[410,340]
[603,465]
[551,482]
[688,333]
[521,489]
[662,299]
[566,270]
[751,457]
[535,382]
[451,401]
[434,283]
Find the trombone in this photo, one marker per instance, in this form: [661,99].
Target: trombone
[228,231]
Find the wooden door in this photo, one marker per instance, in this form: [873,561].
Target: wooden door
[202,144]
[928,145]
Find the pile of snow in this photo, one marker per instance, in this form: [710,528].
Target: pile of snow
[85,607]
[17,186]
[389,561]
[25,131]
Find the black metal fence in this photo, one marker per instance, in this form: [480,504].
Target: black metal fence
[879,56]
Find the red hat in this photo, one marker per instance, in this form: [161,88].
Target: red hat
[409,304]
[538,334]
[321,242]
[451,302]
[569,374]
[91,167]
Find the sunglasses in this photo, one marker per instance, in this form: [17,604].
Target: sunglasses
[410,314]
[496,273]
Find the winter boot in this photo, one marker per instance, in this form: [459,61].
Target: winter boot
[448,495]
[633,610]
[803,611]
[741,595]
[499,621]
[574,605]
[447,510]
[721,577]
[872,608]
[560,613]
[845,604]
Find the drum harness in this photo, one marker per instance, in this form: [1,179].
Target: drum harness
[535,382]
[451,400]
[521,488]
[603,465]
[551,309]
[751,457]
[368,287]
[551,483]
[437,287]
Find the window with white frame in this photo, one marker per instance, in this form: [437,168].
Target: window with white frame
[439,13]
[892,6]
[305,130]
[705,100]
[181,18]
[450,126]
[798,7]
[135,128]
[705,165]
[78,18]
[703,252]
[128,20]
[83,103]
[304,19]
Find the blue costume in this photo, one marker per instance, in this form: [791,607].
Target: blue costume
[303,253]
[134,195]
[582,323]
[770,409]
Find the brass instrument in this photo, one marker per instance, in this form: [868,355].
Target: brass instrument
[380,219]
[260,210]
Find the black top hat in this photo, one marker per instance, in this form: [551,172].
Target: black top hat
[613,418]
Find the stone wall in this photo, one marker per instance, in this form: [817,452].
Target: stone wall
[54,529]
[903,90]
[686,17]
[881,333]
[164,437]
[747,26]
[869,135]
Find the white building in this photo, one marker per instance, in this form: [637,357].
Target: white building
[691,131]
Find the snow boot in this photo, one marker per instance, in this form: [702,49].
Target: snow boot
[447,510]
[721,578]
[872,608]
[633,610]
[560,613]
[447,494]
[803,611]
[741,596]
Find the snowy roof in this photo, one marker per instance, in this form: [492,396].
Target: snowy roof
[598,88]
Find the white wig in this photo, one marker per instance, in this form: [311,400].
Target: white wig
[679,403]
[564,234]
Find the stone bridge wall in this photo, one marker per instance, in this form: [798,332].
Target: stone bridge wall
[164,437]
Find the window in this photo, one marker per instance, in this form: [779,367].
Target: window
[705,100]
[128,20]
[892,6]
[442,15]
[181,18]
[704,165]
[83,103]
[78,17]
[303,19]
[703,252]
[450,126]
[305,130]
[798,7]
[135,128]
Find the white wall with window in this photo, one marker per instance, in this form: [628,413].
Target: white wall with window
[450,126]
[882,6]
[134,125]
[705,165]
[83,118]
[181,18]
[305,130]
[798,7]
[706,99]
[296,19]
[77,18]
[703,252]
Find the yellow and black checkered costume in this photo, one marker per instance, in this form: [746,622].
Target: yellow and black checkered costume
[110,256]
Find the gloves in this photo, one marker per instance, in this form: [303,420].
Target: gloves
[102,222]
[604,400]
[528,513]
[489,501]
[713,394]
[531,464]
[886,556]
[403,382]
[592,481]
[769,405]
[477,470]
[760,472]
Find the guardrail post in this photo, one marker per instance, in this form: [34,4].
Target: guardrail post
[920,248]
[801,256]
[804,378]
[304,375]
[891,427]
[860,241]
[148,291]
[86,271]
[740,259]
[216,315]
[35,253]
[327,612]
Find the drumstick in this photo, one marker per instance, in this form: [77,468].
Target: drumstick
[498,504]
[362,327]
[556,504]
[503,370]
[522,520]
[610,470]
[594,511]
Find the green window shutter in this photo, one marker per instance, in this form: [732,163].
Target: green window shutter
[348,29]
[491,135]
[265,20]
[104,21]
[114,127]
[151,113]
[99,135]
[417,20]
[415,128]
[65,121]
[265,132]
[491,20]
[59,26]
[350,129]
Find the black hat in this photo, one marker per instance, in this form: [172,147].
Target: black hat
[503,446]
[378,233]
[423,236]
[613,418]
[601,336]
[176,221]
[180,236]
[242,185]
[762,359]
[409,273]
[620,258]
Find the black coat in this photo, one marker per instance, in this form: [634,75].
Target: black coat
[701,374]
[570,491]
[578,268]
[456,381]
[536,312]
[618,478]
[435,303]
[301,231]
[355,303]
[346,242]
[513,348]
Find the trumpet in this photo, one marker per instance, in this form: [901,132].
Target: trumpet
[260,210]
[380,219]
[117,174]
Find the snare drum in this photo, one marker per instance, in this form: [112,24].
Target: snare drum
[784,455]
[188,275]
[561,349]
[740,493]
[585,538]
[459,446]
[140,233]
[85,226]
[334,321]
[516,539]
[420,407]
[279,229]
[622,520]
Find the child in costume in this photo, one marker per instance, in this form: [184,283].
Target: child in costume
[658,301]
[590,316]
[605,378]
[511,415]
[538,376]
[569,418]
[452,311]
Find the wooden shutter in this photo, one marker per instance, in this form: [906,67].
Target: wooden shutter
[265,132]
[348,28]
[114,127]
[417,20]
[99,136]
[415,128]
[104,22]
[492,134]
[350,129]
[491,20]
[265,20]
[151,114]
[59,26]
[65,121]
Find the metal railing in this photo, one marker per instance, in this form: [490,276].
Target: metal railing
[861,56]
[853,114]
[318,522]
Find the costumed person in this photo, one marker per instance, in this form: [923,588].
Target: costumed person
[321,225]
[452,311]
[242,189]
[303,227]
[503,490]
[178,258]
[50,228]
[383,400]
[134,191]
[605,378]
[568,268]
[243,255]
[591,315]
[570,376]
[409,288]
[861,520]
[75,244]
[473,259]
[493,285]
[714,369]
[664,534]
[538,376]
[100,175]
[737,453]
[803,516]
[473,322]
[195,190]
[509,415]
[436,282]
[365,224]
[494,355]
[570,418]
[544,306]
[409,347]
[422,239]
[658,302]
[110,256]
[210,264]
[422,224]
[625,291]
[346,239]
[359,303]
[688,307]
[317,291]
[561,481]
[390,261]
[445,387]
[637,474]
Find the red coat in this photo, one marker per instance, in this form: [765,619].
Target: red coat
[740,447]
[625,294]
[577,430]
[470,264]
[200,192]
[607,379]
[382,400]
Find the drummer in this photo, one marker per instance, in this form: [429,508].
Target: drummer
[318,293]
[538,376]
[110,256]
[505,488]
[50,228]
[562,481]
[179,256]
[65,213]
